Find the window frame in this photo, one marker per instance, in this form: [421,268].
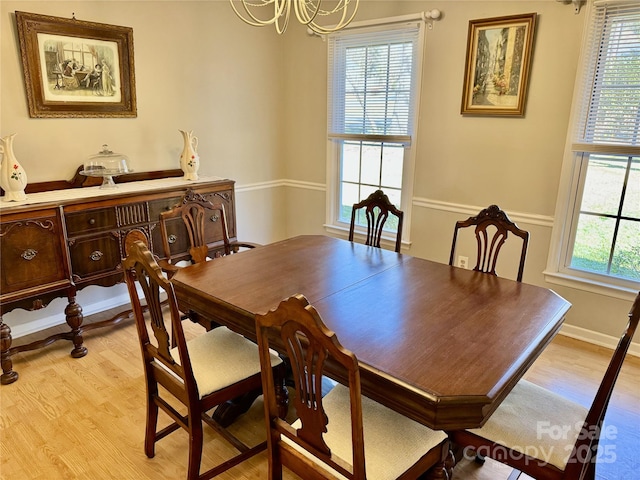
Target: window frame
[333,225]
[571,188]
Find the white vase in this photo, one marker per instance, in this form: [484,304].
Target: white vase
[189,158]
[13,178]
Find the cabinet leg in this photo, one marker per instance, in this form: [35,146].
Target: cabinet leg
[8,375]
[74,316]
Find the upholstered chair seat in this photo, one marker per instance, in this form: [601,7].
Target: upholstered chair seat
[544,435]
[537,422]
[382,428]
[220,358]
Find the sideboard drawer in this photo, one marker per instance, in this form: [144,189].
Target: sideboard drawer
[91,256]
[90,221]
[156,207]
[31,252]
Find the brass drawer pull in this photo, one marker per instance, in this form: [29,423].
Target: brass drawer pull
[172,239]
[92,221]
[96,255]
[29,254]
[215,218]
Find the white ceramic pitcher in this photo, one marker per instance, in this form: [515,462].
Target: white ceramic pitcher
[189,159]
[13,178]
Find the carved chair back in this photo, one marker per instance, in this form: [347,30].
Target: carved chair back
[309,344]
[195,374]
[377,208]
[330,429]
[492,228]
[196,211]
[141,267]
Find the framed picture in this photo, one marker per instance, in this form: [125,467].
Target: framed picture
[74,68]
[497,67]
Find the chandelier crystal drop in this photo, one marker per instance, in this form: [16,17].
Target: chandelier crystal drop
[333,14]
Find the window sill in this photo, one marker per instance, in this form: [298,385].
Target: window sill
[622,291]
[388,242]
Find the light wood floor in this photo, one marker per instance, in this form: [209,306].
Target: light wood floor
[83,418]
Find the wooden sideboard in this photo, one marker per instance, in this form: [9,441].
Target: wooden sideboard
[60,241]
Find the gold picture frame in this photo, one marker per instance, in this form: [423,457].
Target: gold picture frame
[74,68]
[497,67]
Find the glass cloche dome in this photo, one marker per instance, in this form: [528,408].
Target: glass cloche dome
[106,164]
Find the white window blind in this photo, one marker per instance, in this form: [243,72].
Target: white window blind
[610,109]
[373,83]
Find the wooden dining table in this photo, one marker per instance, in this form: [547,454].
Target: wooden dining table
[439,344]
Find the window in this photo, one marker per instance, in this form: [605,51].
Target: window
[600,242]
[80,53]
[374,78]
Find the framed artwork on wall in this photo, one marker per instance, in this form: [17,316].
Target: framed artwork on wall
[497,66]
[74,68]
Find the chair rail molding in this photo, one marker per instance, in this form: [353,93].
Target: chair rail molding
[284,182]
[531,219]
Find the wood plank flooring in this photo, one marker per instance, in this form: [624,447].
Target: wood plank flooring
[83,418]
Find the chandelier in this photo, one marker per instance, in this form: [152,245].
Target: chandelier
[334,14]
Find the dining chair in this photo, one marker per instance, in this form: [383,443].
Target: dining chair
[545,435]
[492,228]
[200,220]
[343,434]
[200,216]
[196,375]
[377,207]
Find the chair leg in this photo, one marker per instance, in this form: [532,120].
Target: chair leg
[275,464]
[590,473]
[228,412]
[443,470]
[195,447]
[152,425]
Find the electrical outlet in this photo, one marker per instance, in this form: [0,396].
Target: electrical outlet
[463,262]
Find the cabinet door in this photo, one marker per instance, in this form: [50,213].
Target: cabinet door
[177,232]
[32,253]
[214,230]
[178,239]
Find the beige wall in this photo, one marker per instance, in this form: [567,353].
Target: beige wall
[463,163]
[257,102]
[197,68]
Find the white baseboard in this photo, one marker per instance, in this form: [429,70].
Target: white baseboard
[56,316]
[596,338]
